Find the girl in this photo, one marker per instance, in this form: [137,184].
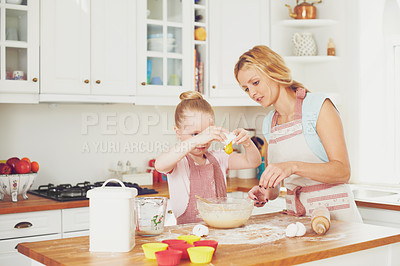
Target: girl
[192,169]
[305,142]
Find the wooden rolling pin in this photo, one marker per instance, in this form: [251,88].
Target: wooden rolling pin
[320,220]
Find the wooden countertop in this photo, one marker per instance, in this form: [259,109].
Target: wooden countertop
[36,203]
[261,241]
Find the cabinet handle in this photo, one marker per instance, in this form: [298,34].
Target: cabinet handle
[86,81]
[98,81]
[34,79]
[22,225]
[213,86]
[143,83]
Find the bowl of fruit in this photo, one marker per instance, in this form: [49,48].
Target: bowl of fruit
[16,177]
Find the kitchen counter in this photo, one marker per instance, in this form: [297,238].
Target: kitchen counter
[261,241]
[36,203]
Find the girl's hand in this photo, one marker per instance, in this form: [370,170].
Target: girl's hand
[274,173]
[242,137]
[210,134]
[259,195]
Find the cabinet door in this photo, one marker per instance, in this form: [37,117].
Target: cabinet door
[235,27]
[113,47]
[164,47]
[65,47]
[19,47]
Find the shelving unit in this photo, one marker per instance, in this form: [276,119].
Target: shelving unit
[307,23]
[200,47]
[310,59]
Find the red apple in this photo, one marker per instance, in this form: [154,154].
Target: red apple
[5,169]
[22,167]
[11,162]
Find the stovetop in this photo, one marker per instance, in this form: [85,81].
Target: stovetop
[67,192]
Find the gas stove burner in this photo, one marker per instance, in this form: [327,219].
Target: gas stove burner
[67,192]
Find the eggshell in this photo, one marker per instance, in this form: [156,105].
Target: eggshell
[229,138]
[291,230]
[200,230]
[301,229]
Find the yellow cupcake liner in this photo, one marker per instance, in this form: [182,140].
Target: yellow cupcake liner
[150,249]
[200,254]
[189,238]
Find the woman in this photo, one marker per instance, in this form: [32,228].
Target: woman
[304,136]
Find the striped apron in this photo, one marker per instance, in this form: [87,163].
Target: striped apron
[287,143]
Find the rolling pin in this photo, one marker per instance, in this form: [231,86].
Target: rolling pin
[320,220]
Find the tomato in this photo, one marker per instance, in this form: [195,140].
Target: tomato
[34,167]
[26,159]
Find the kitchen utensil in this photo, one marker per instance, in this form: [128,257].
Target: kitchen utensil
[206,243]
[189,238]
[320,220]
[200,254]
[304,10]
[16,184]
[304,44]
[225,212]
[150,215]
[168,257]
[183,248]
[200,198]
[150,249]
[112,218]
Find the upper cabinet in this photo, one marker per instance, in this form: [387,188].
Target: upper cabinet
[88,50]
[235,27]
[164,55]
[19,51]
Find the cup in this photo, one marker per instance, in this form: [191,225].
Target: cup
[156,81]
[18,75]
[150,215]
[174,80]
[12,34]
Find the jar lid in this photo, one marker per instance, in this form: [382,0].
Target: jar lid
[122,192]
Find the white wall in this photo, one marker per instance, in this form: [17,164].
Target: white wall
[72,146]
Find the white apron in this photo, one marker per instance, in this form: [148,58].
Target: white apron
[287,143]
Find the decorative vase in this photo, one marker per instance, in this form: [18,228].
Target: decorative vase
[304,44]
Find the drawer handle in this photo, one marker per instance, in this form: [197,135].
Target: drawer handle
[22,225]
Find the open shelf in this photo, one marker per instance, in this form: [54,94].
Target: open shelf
[310,59]
[305,23]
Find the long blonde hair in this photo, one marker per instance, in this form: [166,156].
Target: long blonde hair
[191,101]
[268,62]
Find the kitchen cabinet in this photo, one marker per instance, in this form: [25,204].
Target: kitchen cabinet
[88,51]
[19,51]
[381,217]
[26,227]
[235,27]
[164,55]
[75,222]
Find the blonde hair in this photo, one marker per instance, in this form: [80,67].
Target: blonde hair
[268,62]
[191,101]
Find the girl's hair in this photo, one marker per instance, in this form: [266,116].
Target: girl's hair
[268,62]
[191,101]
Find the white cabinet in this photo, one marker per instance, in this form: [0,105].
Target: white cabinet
[19,52]
[26,227]
[164,55]
[380,216]
[235,27]
[88,50]
[75,222]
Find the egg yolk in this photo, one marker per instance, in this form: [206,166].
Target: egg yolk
[228,148]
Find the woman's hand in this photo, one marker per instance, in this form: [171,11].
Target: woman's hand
[274,173]
[259,195]
[242,137]
[210,134]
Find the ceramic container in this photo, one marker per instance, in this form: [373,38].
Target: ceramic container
[112,218]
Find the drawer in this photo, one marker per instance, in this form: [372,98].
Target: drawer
[75,219]
[30,224]
[7,246]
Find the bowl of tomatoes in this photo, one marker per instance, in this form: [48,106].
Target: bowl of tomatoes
[16,177]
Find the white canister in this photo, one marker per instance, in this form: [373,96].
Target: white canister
[112,218]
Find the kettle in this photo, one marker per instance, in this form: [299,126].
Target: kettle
[304,10]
